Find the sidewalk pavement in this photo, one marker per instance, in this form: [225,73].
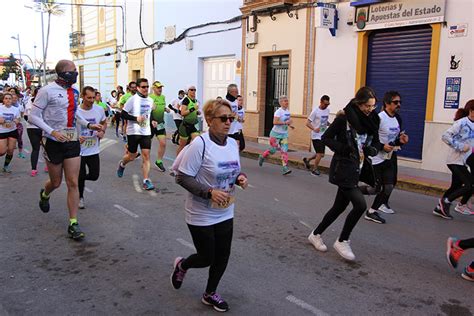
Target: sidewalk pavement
[409,179]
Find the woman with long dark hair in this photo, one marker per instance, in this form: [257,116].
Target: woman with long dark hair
[459,138]
[353,136]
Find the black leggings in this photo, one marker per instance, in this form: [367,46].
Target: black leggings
[213,245]
[386,173]
[34,134]
[118,119]
[344,196]
[93,165]
[461,183]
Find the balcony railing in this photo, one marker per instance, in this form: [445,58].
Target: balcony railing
[76,41]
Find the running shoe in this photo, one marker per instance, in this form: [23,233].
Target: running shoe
[316,172]
[306,163]
[463,209]
[34,173]
[453,252]
[317,242]
[43,202]
[147,185]
[374,217]
[21,155]
[81,204]
[160,166]
[344,249]
[178,274]
[442,209]
[216,301]
[386,209]
[120,169]
[285,170]
[75,232]
[468,274]
[260,160]
[7,169]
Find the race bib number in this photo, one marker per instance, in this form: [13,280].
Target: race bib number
[90,142]
[70,133]
[145,122]
[229,202]
[8,125]
[160,126]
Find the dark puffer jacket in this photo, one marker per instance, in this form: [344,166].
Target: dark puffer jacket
[345,169]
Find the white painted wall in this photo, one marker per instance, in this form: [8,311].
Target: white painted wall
[335,62]
[177,67]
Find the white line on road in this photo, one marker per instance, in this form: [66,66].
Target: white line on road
[277,200]
[304,224]
[88,190]
[251,186]
[124,210]
[306,306]
[26,151]
[107,143]
[136,183]
[185,243]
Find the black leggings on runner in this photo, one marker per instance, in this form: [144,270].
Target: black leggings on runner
[93,166]
[213,245]
[118,119]
[344,196]
[34,134]
[461,182]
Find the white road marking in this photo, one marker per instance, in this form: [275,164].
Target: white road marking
[251,186]
[107,143]
[26,151]
[277,200]
[124,210]
[185,243]
[306,306]
[136,183]
[304,224]
[88,190]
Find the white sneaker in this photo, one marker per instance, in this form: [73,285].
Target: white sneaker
[463,209]
[317,242]
[81,203]
[344,249]
[387,210]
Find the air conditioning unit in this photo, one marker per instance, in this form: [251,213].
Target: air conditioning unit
[251,38]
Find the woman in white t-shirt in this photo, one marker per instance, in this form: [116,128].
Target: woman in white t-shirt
[279,135]
[9,118]
[34,135]
[210,171]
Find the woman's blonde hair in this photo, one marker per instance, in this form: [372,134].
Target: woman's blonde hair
[211,107]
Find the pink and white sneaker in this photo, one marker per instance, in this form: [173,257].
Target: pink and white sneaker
[463,209]
[34,173]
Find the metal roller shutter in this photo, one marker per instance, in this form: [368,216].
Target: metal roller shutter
[399,59]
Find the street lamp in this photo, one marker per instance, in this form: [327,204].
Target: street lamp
[17,38]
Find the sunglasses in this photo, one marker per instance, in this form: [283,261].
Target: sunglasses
[397,102]
[144,87]
[191,89]
[225,118]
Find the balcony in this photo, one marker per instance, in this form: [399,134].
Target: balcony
[76,42]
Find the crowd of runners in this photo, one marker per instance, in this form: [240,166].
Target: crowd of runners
[67,125]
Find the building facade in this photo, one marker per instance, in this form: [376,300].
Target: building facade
[422,49]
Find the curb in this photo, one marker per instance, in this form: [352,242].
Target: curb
[402,184]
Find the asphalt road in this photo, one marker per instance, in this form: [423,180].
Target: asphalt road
[132,238]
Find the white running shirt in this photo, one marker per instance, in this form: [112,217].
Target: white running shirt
[9,114]
[319,119]
[94,116]
[137,106]
[388,131]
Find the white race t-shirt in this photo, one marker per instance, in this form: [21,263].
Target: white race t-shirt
[283,115]
[241,114]
[176,104]
[136,106]
[28,107]
[219,169]
[319,119]
[9,114]
[94,116]
[388,131]
[233,126]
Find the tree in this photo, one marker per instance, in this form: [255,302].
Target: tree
[10,66]
[51,8]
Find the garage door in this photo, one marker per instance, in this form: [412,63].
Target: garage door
[398,59]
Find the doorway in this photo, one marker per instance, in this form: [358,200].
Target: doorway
[276,85]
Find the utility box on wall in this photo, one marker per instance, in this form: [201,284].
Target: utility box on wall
[251,38]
